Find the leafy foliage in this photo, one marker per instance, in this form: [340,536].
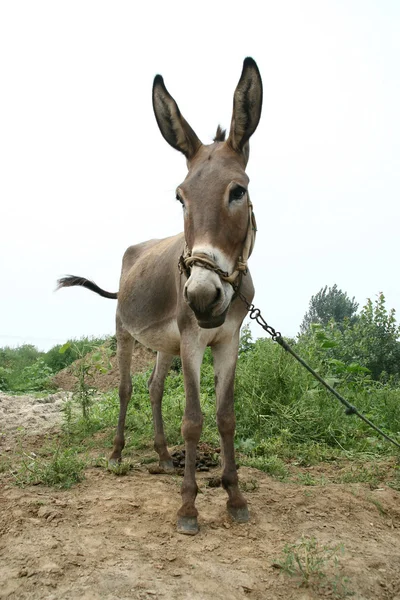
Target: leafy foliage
[373,341]
[35,377]
[370,344]
[311,563]
[13,362]
[62,469]
[329,304]
[57,360]
[84,368]
[25,368]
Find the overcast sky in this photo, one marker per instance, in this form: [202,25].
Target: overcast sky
[85,172]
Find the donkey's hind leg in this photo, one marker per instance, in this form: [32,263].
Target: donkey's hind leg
[124,355]
[156,390]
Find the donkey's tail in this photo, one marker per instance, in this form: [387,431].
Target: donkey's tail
[71,280]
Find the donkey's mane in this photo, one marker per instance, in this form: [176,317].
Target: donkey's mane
[220,135]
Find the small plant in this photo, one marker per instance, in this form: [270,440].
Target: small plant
[249,486]
[4,378]
[308,479]
[308,561]
[272,465]
[382,511]
[246,340]
[35,377]
[372,475]
[84,369]
[121,468]
[63,469]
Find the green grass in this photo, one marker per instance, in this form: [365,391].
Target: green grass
[284,420]
[63,469]
[272,465]
[315,566]
[373,475]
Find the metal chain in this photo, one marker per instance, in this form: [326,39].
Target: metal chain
[255,315]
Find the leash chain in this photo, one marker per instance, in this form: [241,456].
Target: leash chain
[255,315]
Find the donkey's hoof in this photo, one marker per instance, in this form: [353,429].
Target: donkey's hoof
[240,515]
[187,525]
[113,463]
[167,466]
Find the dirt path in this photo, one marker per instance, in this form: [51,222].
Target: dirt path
[35,414]
[114,537]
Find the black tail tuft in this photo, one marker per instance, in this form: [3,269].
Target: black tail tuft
[72,280]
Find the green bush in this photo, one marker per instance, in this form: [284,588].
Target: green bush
[35,377]
[57,360]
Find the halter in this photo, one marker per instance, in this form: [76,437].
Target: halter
[187,259]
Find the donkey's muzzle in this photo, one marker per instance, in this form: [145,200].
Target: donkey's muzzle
[206,299]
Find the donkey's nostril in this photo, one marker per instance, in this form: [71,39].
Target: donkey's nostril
[217,297]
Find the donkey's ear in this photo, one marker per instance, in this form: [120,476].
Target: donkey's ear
[247,102]
[173,126]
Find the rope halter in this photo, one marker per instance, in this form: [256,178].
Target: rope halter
[187,259]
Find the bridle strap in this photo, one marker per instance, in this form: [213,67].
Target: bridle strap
[187,259]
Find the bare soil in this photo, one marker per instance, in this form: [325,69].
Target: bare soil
[35,414]
[114,537]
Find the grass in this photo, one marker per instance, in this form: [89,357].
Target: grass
[272,465]
[62,470]
[284,421]
[372,475]
[308,480]
[315,566]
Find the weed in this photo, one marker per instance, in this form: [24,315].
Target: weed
[382,511]
[249,486]
[372,475]
[5,464]
[121,468]
[272,465]
[84,369]
[308,479]
[311,563]
[62,470]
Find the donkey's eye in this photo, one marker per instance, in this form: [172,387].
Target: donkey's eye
[237,193]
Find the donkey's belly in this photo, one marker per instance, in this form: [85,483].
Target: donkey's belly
[160,337]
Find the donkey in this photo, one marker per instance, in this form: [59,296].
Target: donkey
[181,311]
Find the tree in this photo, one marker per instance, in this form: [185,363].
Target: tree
[327,304]
[373,341]
[369,343]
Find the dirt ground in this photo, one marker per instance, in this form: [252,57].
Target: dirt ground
[114,537]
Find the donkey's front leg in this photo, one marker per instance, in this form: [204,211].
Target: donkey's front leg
[225,358]
[191,429]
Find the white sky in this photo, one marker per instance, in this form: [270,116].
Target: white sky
[85,172]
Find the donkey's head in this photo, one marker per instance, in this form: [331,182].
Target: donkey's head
[214,193]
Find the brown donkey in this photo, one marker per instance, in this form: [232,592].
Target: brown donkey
[181,311]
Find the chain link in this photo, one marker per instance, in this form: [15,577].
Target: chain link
[255,314]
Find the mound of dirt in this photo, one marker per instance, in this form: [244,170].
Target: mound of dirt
[31,413]
[142,359]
